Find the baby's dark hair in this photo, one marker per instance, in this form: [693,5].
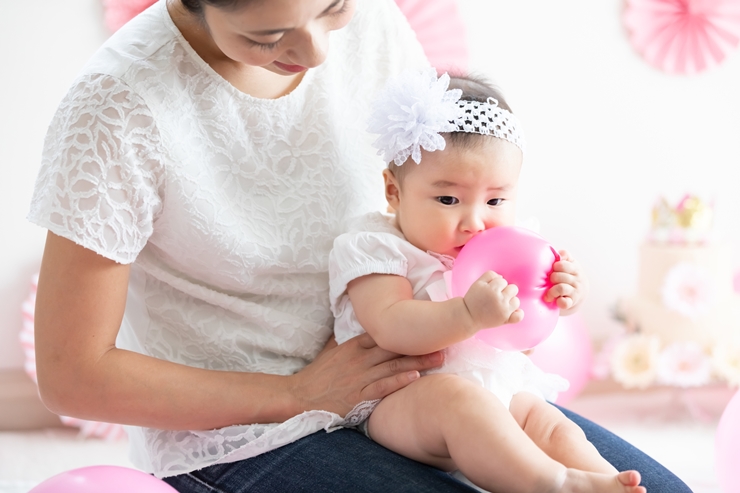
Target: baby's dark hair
[474,88]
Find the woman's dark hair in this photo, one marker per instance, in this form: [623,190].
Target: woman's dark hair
[196,6]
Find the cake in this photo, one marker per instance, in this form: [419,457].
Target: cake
[682,326]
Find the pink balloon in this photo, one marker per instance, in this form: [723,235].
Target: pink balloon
[523,258]
[727,447]
[103,479]
[568,352]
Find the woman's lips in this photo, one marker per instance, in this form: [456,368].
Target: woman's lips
[289,68]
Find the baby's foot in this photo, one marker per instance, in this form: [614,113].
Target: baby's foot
[577,481]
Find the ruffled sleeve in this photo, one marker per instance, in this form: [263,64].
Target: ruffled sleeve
[362,253]
[101,178]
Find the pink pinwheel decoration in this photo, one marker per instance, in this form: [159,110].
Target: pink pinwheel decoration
[119,12]
[441,32]
[683,36]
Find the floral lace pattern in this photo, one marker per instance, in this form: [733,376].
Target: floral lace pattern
[225,205]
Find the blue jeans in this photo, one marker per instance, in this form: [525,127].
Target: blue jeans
[347,461]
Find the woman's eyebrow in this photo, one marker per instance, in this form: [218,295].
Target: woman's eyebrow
[279,31]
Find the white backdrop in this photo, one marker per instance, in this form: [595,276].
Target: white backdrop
[607,133]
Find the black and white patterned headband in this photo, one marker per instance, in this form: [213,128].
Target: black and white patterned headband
[416,107]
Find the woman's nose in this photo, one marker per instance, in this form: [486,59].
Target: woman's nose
[311,48]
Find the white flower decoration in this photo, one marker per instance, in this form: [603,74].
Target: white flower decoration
[687,289]
[726,362]
[410,113]
[684,364]
[634,360]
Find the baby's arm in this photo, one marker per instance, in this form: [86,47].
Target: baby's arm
[570,284]
[385,308]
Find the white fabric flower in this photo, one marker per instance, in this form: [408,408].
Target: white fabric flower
[726,362]
[634,360]
[687,289]
[601,367]
[410,113]
[684,364]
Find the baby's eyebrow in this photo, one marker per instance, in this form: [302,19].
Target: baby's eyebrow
[443,184]
[448,184]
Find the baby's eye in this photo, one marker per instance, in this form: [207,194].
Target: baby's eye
[447,200]
[495,202]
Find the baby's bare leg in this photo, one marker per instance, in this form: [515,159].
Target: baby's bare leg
[556,435]
[451,423]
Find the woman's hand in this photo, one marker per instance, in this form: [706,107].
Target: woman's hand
[492,302]
[570,285]
[343,376]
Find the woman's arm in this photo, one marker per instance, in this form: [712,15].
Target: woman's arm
[79,307]
[385,308]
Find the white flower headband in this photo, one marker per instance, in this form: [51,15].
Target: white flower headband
[415,107]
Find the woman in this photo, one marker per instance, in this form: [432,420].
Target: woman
[192,182]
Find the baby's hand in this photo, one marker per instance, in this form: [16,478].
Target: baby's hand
[491,302]
[570,286]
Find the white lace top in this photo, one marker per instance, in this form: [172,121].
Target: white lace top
[225,205]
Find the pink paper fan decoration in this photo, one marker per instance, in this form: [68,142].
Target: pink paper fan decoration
[87,428]
[683,36]
[119,12]
[441,32]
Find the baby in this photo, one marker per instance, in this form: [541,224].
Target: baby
[484,412]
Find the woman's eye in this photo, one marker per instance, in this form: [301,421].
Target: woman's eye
[447,200]
[341,8]
[495,202]
[264,46]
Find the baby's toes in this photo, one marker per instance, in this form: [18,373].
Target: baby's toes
[629,478]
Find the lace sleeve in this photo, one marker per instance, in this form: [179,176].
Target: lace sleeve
[101,178]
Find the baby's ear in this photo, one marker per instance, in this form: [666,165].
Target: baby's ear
[392,189]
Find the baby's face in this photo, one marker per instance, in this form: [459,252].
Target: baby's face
[455,194]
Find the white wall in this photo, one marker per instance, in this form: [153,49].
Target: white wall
[43,44]
[606,132]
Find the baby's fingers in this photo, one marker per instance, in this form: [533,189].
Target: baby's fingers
[564,302]
[559,290]
[490,277]
[563,278]
[510,291]
[516,317]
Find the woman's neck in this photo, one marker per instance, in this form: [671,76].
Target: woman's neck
[255,81]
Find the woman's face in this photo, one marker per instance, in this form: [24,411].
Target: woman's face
[283,36]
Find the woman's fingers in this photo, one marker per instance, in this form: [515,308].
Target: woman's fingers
[386,386]
[357,370]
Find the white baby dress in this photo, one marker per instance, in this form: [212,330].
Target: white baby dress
[376,246]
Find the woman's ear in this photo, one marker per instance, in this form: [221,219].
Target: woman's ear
[392,189]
